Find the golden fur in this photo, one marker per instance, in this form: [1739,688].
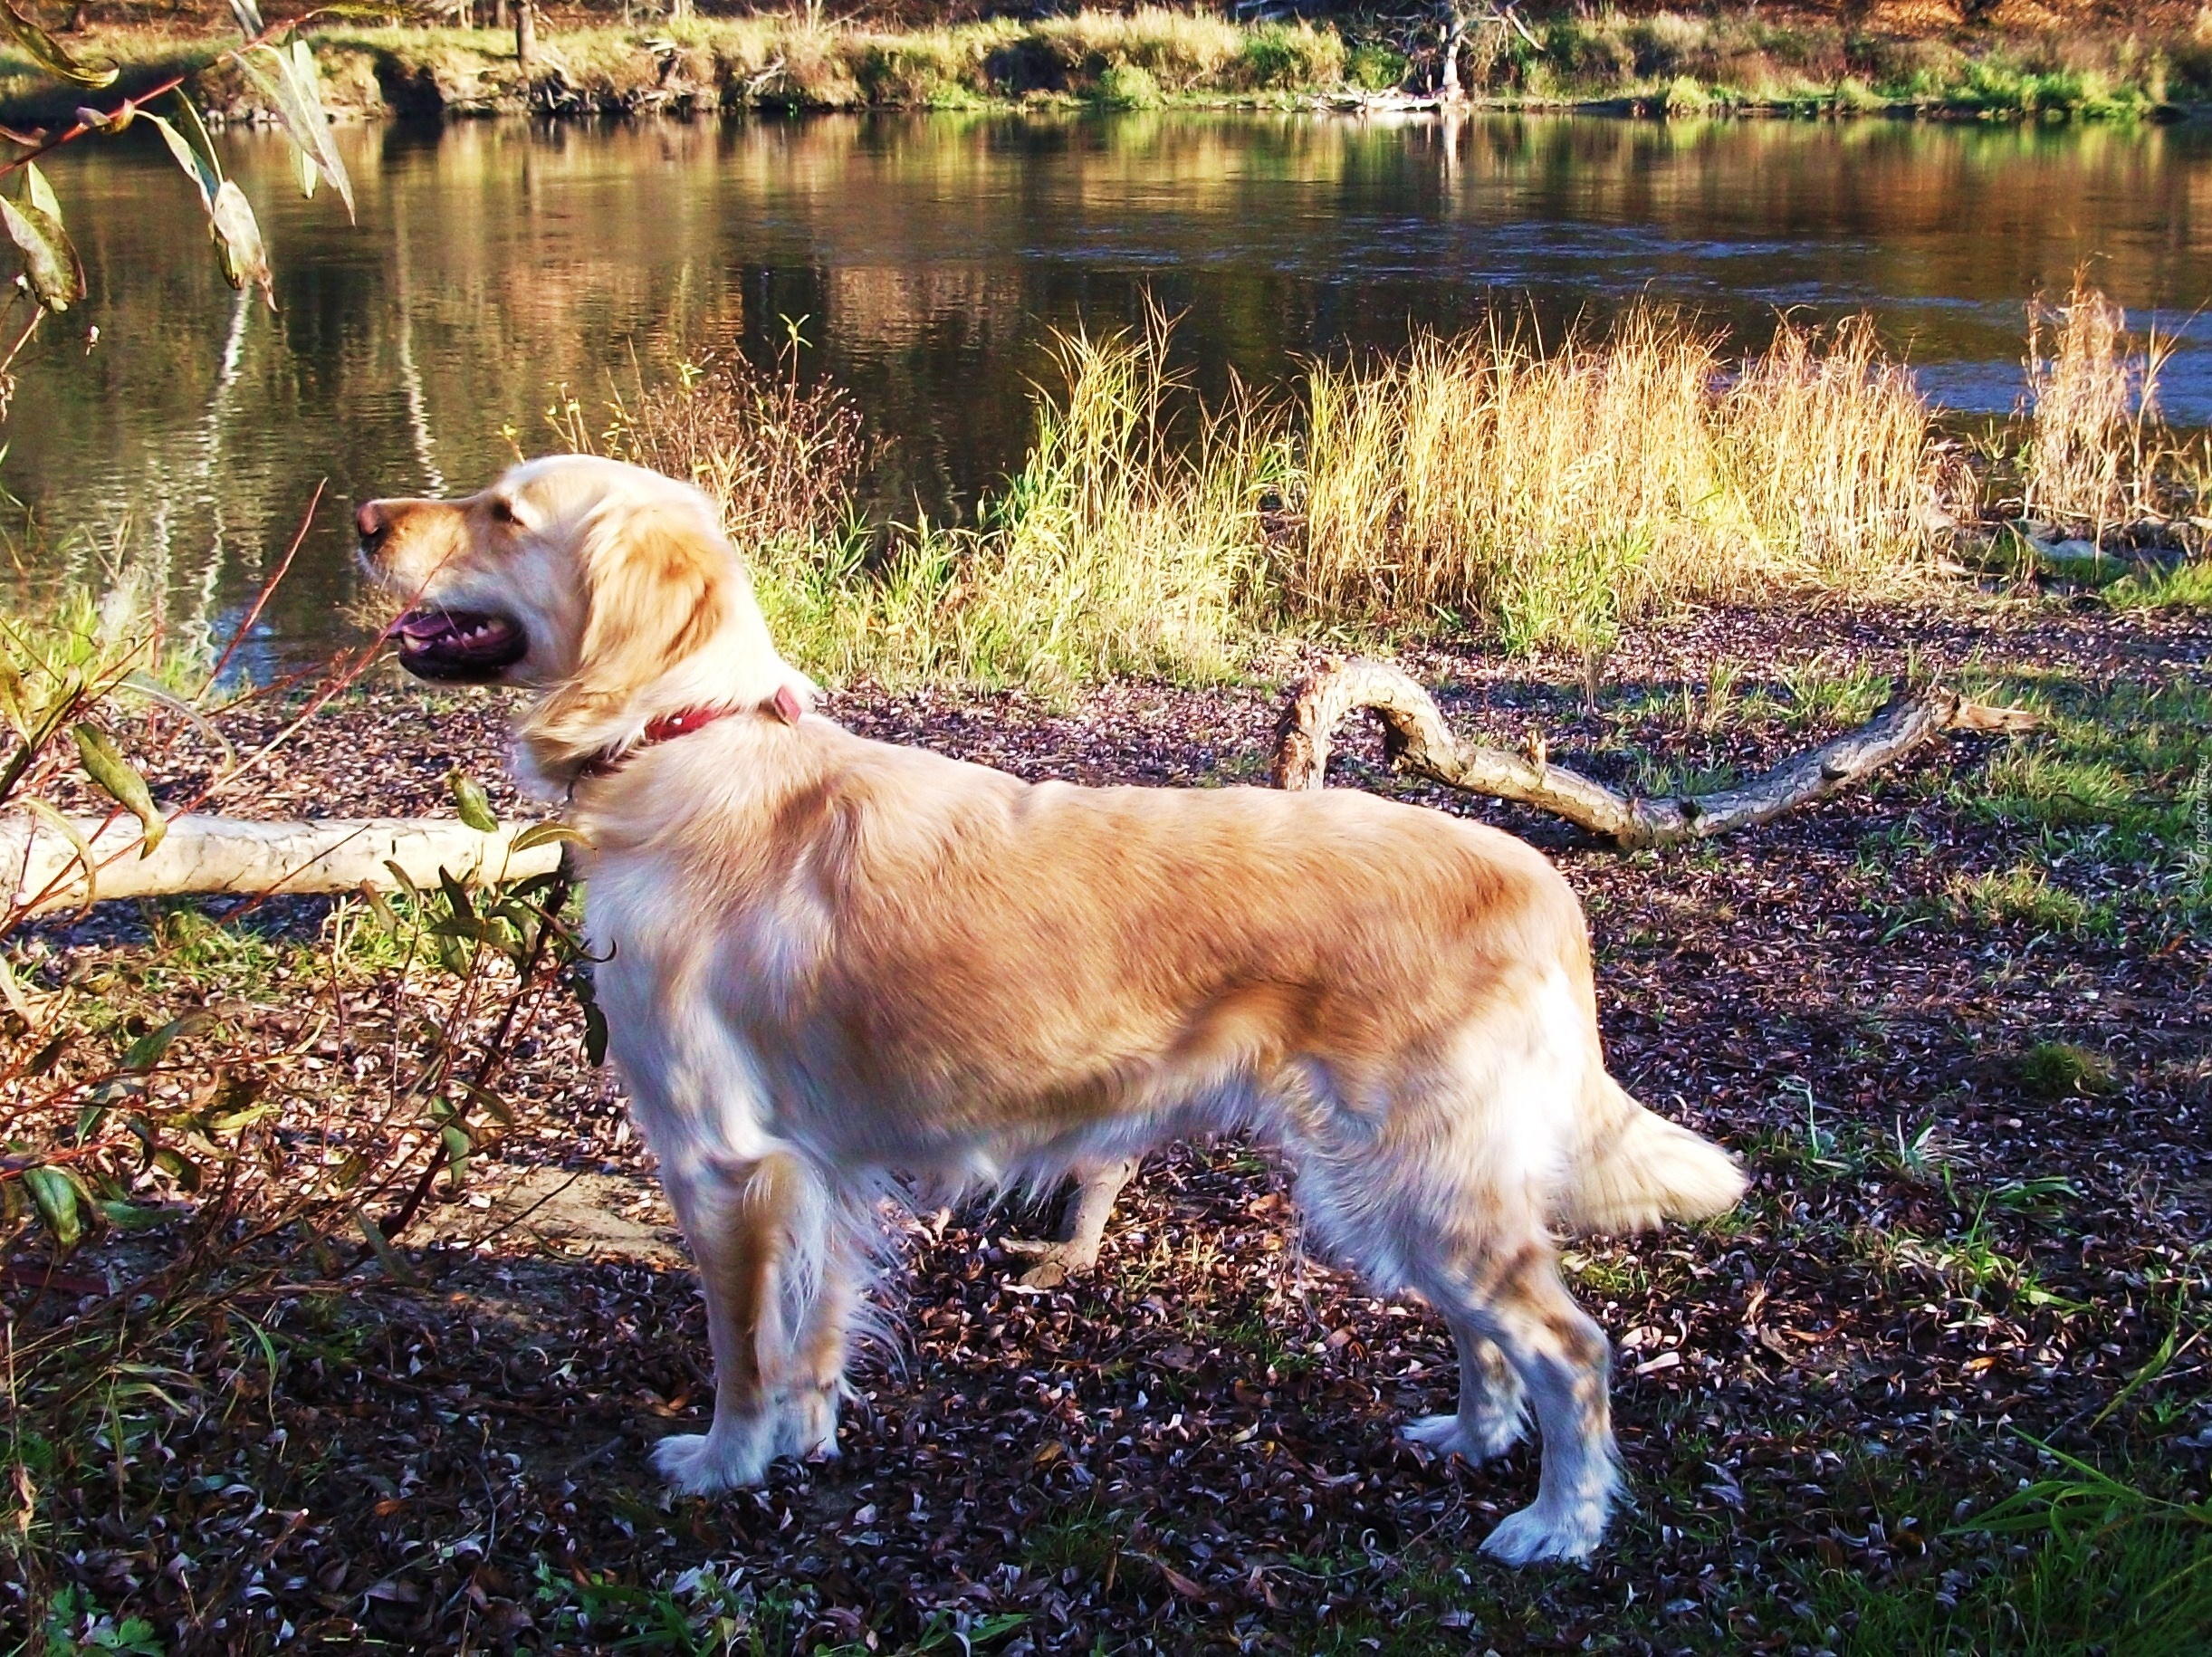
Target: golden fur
[829,959]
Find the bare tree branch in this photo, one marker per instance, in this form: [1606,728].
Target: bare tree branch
[1420,741]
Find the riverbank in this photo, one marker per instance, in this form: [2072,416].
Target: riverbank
[1665,64]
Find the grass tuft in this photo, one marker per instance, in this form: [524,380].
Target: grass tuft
[1549,499]
[2096,448]
[2059,1069]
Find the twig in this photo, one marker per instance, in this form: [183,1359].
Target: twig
[158,90]
[268,588]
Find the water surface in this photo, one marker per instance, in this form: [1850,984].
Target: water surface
[499,267]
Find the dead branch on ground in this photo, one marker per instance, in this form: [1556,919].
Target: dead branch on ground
[1421,741]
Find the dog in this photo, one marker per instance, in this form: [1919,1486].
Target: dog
[826,962]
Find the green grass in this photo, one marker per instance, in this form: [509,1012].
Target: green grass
[1127,86]
[1995,86]
[2184,587]
[2059,1069]
[2021,896]
[1087,1540]
[2083,1561]
[2118,774]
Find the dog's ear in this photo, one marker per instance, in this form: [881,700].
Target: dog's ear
[657,581]
[655,584]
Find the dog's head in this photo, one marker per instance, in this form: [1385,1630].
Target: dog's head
[607,589]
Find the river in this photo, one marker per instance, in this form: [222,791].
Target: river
[925,259]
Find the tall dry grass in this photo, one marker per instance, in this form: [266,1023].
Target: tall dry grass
[2096,449]
[1546,497]
[1555,495]
[784,460]
[1130,541]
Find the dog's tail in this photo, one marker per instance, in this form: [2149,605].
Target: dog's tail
[1636,1169]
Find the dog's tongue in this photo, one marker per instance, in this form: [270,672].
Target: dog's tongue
[418,627]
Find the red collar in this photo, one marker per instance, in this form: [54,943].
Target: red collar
[665,727]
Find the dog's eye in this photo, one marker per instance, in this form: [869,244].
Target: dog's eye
[503,511]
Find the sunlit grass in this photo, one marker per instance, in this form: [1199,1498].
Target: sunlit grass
[2097,455]
[1546,498]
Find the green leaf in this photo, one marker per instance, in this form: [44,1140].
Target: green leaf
[145,685]
[48,53]
[457,1148]
[147,1051]
[19,1001]
[177,1165]
[381,1246]
[490,1103]
[49,262]
[231,1121]
[386,917]
[59,1195]
[12,695]
[40,193]
[406,881]
[130,1217]
[456,895]
[469,800]
[117,120]
[44,1058]
[201,173]
[451,956]
[594,1033]
[78,843]
[544,834]
[294,89]
[246,256]
[105,764]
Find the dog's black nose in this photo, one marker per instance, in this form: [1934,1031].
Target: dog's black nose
[373,525]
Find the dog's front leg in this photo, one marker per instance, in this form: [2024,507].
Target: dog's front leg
[755,1232]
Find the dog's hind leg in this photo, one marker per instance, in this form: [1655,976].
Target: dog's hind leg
[1449,1197]
[1512,1300]
[755,1229]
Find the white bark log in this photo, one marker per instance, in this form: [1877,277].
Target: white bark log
[228,855]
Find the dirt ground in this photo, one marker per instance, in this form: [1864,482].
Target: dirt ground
[1975,1112]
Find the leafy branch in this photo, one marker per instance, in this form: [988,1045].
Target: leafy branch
[284,73]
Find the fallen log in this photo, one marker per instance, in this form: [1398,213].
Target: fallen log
[1419,740]
[229,855]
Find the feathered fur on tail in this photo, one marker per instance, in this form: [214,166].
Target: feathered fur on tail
[1637,1169]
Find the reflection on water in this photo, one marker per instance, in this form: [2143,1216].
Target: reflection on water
[495,263]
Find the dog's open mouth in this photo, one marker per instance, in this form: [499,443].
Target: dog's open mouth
[457,646]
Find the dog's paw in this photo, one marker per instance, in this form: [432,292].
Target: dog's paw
[1567,1532]
[700,1464]
[1481,1439]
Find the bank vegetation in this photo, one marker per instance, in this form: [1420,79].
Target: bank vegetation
[1675,62]
[1544,493]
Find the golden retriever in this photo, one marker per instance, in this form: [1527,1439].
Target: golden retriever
[829,960]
